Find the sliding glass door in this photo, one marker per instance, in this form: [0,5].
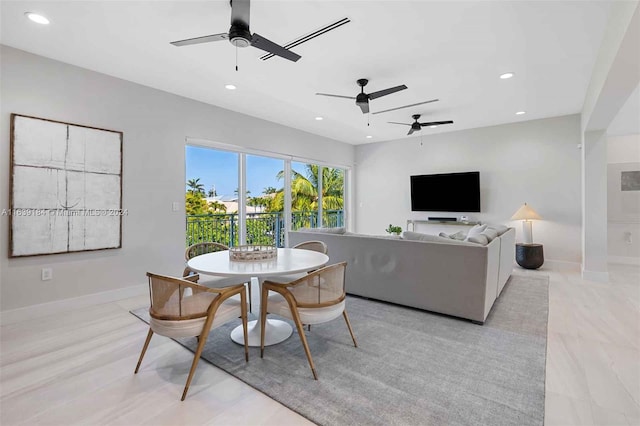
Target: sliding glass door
[240,198]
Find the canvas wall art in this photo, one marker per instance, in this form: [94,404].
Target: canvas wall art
[630,181]
[623,192]
[66,187]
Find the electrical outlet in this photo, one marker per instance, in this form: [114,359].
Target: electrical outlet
[628,238]
[47,274]
[175,206]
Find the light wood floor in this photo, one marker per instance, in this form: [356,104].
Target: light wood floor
[78,368]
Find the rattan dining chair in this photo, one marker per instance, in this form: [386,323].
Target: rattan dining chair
[318,246]
[215,282]
[175,314]
[316,298]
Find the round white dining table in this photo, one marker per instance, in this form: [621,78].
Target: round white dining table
[288,261]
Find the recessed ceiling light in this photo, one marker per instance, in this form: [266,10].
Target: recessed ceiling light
[39,19]
[369,136]
[433,127]
[520,113]
[506,75]
[230,87]
[319,118]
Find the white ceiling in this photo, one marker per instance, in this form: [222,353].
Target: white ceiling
[453,51]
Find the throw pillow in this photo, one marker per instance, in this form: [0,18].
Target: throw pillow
[490,233]
[478,239]
[501,229]
[476,230]
[460,236]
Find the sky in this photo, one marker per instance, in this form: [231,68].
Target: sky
[220,168]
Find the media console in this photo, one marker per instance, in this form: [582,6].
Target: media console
[441,223]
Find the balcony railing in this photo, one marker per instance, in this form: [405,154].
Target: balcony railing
[262,228]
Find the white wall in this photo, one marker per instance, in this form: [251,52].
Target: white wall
[155,125]
[623,152]
[537,162]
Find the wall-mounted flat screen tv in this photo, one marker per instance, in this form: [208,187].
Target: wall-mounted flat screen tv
[449,192]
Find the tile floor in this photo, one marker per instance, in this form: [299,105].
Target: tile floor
[77,368]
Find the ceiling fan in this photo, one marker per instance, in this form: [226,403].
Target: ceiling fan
[240,36]
[415,126]
[362,99]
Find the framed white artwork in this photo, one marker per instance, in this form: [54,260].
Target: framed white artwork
[65,187]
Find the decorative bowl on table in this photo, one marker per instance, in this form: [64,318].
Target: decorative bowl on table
[252,253]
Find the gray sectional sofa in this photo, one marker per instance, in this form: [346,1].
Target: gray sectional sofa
[449,277]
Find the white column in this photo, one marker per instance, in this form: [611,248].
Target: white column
[594,206]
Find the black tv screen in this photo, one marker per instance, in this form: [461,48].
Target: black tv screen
[450,192]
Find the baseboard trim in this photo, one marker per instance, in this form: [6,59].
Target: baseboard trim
[597,276]
[624,260]
[562,265]
[60,306]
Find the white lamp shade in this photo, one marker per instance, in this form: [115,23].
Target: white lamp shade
[525,213]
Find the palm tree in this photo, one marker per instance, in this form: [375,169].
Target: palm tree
[195,186]
[304,189]
[217,207]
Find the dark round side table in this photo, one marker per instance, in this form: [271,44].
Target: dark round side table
[529,256]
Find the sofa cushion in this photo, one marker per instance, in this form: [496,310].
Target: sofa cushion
[417,236]
[339,230]
[478,239]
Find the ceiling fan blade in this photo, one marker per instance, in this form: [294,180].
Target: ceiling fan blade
[406,106]
[411,130]
[335,96]
[436,123]
[268,46]
[395,122]
[240,12]
[386,92]
[204,39]
[305,38]
[364,107]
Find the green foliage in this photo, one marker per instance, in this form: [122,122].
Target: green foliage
[195,186]
[304,190]
[195,203]
[209,221]
[394,229]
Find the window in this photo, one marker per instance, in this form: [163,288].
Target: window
[265,201]
[211,199]
[217,211]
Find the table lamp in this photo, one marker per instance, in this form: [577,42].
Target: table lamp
[526,214]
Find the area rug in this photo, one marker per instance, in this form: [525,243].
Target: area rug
[411,367]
